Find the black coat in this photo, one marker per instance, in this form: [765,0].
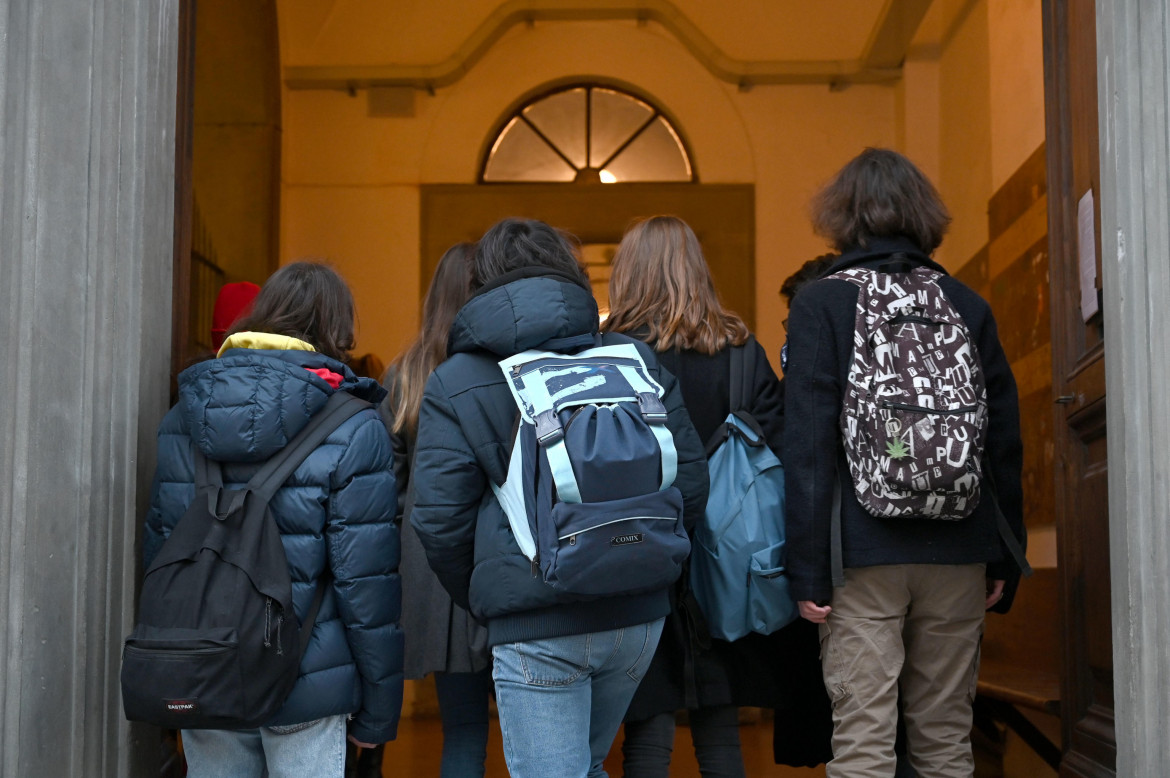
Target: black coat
[820,345]
[464,439]
[689,669]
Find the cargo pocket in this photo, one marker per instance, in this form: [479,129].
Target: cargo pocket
[770,605]
[836,685]
[973,687]
[182,678]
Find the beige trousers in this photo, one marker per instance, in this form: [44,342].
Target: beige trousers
[916,628]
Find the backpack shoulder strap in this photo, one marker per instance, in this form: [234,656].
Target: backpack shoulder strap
[340,407]
[743,375]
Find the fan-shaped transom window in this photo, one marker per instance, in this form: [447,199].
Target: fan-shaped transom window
[587,133]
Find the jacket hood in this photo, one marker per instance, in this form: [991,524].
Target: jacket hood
[245,405]
[522,310]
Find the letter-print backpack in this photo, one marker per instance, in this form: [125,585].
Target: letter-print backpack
[589,493]
[914,411]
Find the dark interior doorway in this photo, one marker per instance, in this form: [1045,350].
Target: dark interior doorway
[722,216]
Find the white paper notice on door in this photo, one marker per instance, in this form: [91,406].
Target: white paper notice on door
[1087,255]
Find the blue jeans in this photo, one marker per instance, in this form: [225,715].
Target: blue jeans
[463,704]
[561,700]
[315,749]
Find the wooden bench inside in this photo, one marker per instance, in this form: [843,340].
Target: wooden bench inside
[1020,663]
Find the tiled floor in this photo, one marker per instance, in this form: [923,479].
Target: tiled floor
[415,754]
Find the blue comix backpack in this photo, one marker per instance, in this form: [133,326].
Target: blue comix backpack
[737,566]
[589,493]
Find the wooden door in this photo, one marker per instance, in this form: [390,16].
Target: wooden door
[1078,377]
[722,216]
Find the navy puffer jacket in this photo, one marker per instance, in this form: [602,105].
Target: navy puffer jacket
[335,515]
[464,439]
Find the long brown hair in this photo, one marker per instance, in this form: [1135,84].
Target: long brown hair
[661,282]
[880,193]
[305,300]
[450,288]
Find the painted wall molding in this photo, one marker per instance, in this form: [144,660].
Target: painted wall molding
[881,62]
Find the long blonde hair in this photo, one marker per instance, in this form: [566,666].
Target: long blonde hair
[450,289]
[661,282]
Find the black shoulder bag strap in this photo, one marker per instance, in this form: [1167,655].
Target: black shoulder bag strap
[1005,531]
[269,478]
[836,561]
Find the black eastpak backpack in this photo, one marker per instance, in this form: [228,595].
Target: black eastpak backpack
[217,644]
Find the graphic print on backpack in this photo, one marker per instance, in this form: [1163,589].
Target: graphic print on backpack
[589,493]
[914,414]
[217,643]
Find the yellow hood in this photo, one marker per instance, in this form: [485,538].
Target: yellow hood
[264,340]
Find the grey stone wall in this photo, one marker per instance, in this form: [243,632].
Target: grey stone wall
[1133,78]
[87,118]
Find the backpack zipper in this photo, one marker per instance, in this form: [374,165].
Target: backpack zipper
[924,409]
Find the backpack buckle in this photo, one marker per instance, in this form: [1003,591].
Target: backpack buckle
[651,407]
[548,428]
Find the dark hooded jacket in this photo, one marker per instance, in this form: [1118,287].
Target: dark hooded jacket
[465,431]
[335,515]
[820,345]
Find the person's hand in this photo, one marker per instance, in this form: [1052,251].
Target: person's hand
[360,744]
[994,593]
[813,612]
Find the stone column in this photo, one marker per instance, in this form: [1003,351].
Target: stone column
[1132,76]
[87,127]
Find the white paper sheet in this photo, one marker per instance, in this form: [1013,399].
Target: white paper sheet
[1087,255]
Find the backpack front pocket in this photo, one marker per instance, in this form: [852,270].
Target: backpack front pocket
[769,602]
[182,678]
[636,544]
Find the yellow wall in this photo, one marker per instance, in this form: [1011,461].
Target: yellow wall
[786,140]
[972,107]
[968,110]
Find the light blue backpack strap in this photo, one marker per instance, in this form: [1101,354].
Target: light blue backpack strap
[551,436]
[656,420]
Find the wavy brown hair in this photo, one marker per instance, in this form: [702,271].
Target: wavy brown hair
[661,283]
[309,301]
[880,193]
[450,288]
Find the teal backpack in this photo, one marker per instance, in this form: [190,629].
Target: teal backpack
[738,554]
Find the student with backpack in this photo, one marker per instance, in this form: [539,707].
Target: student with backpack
[550,500]
[904,459]
[279,374]
[661,292]
[441,637]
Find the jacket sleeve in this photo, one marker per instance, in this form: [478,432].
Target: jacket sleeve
[1003,456]
[172,489]
[448,487]
[811,440]
[692,478]
[363,545]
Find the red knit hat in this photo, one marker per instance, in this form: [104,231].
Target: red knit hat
[233,302]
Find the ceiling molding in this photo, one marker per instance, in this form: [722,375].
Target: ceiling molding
[891,37]
[882,49]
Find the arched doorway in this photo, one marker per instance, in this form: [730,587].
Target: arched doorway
[589,157]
